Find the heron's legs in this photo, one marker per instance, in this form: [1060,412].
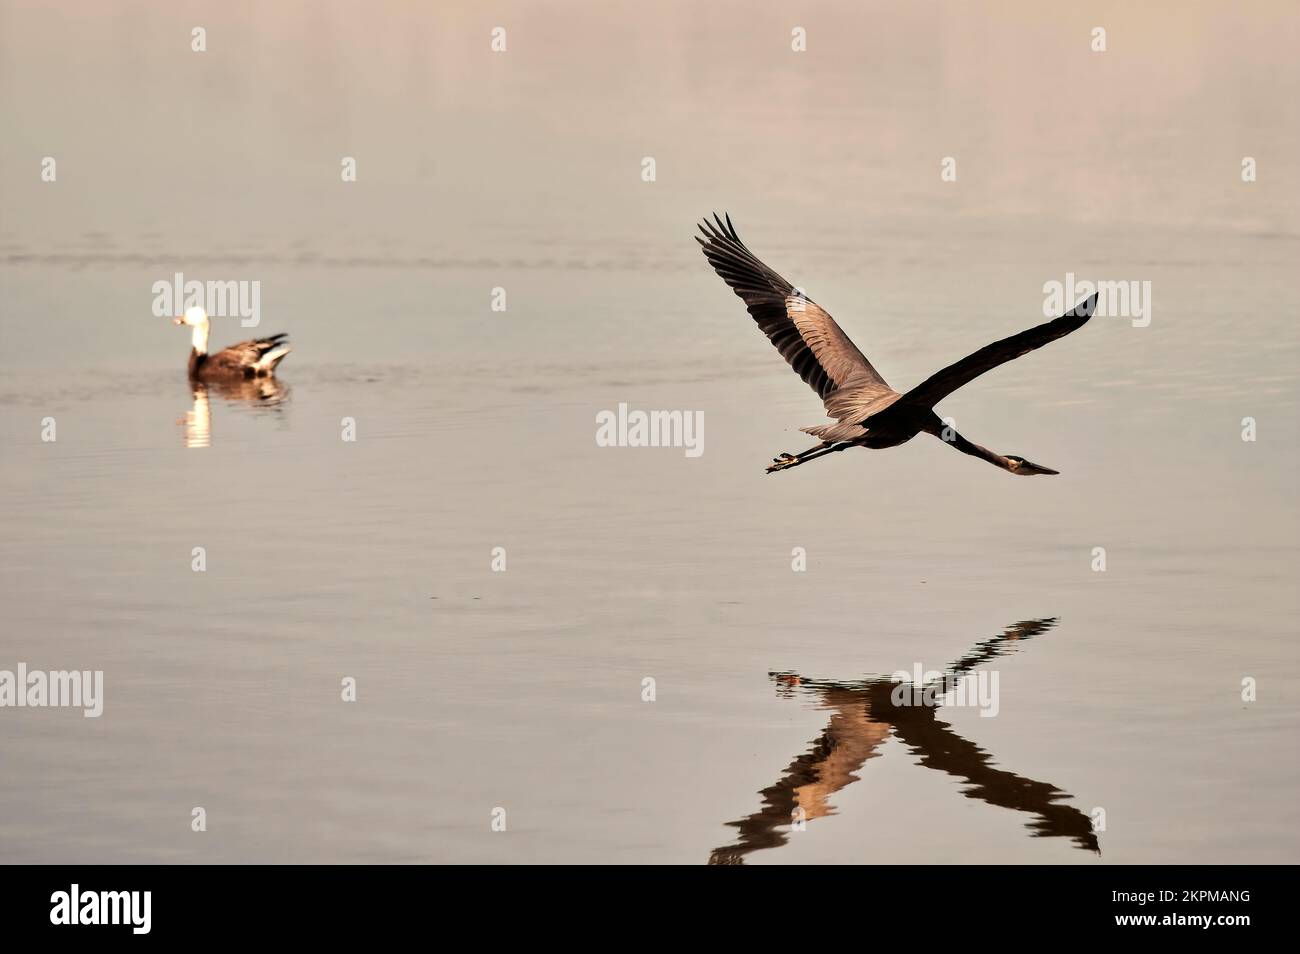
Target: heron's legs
[802,453]
[812,453]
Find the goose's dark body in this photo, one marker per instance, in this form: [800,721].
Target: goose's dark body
[255,358]
[239,361]
[867,411]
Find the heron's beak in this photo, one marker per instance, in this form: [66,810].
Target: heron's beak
[178,320]
[1029,467]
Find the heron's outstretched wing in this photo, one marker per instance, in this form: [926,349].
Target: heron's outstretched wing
[807,337]
[942,383]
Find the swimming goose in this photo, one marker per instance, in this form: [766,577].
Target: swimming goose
[255,358]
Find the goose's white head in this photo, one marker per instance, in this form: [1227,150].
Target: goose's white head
[194,316]
[197,319]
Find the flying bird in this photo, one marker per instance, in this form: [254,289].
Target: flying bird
[255,358]
[869,413]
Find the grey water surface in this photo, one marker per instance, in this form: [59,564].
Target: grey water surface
[1120,692]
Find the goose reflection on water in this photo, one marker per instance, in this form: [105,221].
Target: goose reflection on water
[253,392]
[864,714]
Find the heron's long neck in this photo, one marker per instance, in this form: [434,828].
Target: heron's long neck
[950,436]
[200,338]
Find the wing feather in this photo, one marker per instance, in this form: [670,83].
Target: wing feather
[806,336]
[246,354]
[942,383]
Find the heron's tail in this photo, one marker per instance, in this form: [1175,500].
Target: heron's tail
[836,432]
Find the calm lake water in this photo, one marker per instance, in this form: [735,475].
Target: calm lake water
[1119,692]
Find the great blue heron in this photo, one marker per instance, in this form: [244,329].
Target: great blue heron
[869,412]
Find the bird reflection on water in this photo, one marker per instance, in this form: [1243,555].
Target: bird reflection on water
[252,392]
[863,715]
